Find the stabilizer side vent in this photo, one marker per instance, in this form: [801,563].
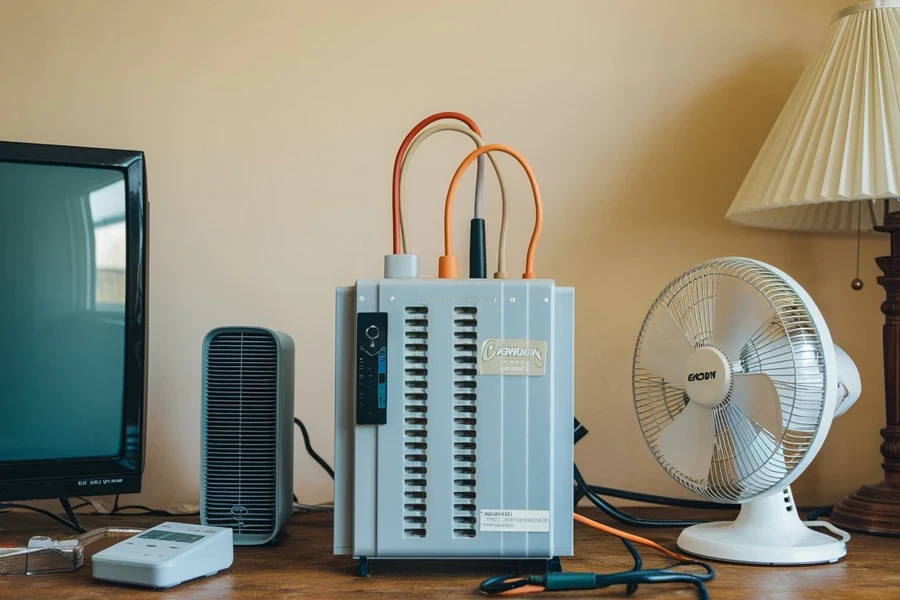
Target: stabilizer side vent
[239,415]
[465,356]
[415,421]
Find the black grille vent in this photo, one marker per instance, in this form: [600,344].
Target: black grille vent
[465,356]
[415,421]
[239,432]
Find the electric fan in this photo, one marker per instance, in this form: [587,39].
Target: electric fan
[736,382]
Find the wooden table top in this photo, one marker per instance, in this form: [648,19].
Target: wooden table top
[302,565]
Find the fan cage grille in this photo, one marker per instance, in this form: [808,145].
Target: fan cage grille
[787,348]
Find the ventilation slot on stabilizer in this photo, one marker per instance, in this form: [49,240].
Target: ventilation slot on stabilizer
[465,356]
[415,421]
[240,416]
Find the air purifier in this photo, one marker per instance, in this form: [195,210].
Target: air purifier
[247,440]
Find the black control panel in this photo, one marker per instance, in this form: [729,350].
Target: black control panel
[371,368]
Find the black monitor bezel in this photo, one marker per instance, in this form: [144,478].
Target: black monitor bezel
[39,479]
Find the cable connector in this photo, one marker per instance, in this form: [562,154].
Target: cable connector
[448,267]
[477,250]
[401,266]
[567,581]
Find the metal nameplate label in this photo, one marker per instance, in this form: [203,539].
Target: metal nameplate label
[520,521]
[513,357]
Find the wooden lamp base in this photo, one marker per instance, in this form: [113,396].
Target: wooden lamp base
[875,508]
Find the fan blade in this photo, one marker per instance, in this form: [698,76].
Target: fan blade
[756,396]
[664,347]
[687,443]
[741,310]
[754,448]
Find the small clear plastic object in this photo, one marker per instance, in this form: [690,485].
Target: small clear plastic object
[42,541]
[44,555]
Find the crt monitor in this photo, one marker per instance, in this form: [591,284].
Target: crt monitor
[73,321]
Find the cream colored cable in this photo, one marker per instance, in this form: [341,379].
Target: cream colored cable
[501,251]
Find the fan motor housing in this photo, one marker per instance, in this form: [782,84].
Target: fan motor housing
[708,377]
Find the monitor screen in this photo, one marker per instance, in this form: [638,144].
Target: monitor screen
[62,312]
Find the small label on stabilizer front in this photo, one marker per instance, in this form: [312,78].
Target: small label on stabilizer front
[521,521]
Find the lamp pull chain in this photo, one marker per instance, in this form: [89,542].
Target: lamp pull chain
[857,283]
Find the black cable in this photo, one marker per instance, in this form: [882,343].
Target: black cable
[46,513]
[147,511]
[310,451]
[630,579]
[818,513]
[622,516]
[661,500]
[81,504]
[477,251]
[67,508]
[656,576]
[588,581]
[116,510]
[632,587]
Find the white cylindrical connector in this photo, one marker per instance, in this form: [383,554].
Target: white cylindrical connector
[401,266]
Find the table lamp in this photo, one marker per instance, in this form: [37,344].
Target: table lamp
[832,163]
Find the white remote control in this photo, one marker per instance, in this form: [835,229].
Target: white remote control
[166,555]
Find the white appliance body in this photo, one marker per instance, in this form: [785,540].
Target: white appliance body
[166,555]
[464,449]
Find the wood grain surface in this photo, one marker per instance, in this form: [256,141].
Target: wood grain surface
[301,565]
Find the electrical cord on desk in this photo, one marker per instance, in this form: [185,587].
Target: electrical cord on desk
[70,514]
[147,511]
[119,511]
[512,585]
[504,585]
[126,511]
[817,513]
[654,499]
[309,448]
[622,516]
[13,505]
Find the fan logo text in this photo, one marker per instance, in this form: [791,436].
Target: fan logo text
[703,376]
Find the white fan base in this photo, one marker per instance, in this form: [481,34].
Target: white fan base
[766,533]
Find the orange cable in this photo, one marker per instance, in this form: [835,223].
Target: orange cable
[448,265]
[536,589]
[630,537]
[525,589]
[398,161]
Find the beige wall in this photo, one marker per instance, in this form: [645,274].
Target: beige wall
[270,129]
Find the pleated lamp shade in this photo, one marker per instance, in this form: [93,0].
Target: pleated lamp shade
[835,148]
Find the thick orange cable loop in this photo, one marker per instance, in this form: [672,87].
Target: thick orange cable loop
[525,589]
[448,266]
[630,537]
[398,162]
